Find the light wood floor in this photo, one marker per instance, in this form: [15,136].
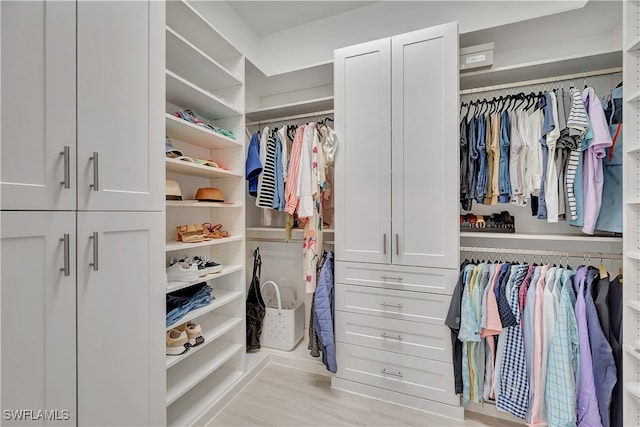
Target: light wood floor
[282,396]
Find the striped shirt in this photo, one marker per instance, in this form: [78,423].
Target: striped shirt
[267,181]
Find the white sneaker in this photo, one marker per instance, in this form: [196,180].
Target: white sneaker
[177,342]
[182,272]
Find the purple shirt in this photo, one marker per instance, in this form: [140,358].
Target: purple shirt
[588,411]
[592,175]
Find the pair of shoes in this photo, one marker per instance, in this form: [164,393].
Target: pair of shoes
[203,265]
[181,338]
[192,233]
[214,231]
[182,272]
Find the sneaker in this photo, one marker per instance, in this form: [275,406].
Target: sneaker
[177,342]
[194,333]
[211,267]
[182,272]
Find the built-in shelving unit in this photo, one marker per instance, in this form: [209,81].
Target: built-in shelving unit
[294,108]
[205,74]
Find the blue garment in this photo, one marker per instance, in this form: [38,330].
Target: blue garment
[279,199]
[547,126]
[472,174]
[504,178]
[323,301]
[253,165]
[181,302]
[506,314]
[577,184]
[481,182]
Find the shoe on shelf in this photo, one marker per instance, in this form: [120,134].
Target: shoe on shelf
[194,333]
[182,272]
[211,267]
[177,342]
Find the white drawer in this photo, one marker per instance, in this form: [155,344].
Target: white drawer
[414,306]
[416,279]
[428,379]
[399,336]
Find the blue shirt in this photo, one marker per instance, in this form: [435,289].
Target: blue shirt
[481,183]
[279,199]
[504,178]
[253,165]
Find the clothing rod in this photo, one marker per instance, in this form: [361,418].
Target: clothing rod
[568,254]
[272,240]
[285,118]
[543,80]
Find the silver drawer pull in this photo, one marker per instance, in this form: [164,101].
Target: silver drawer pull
[385,277]
[96,174]
[66,182]
[398,306]
[65,241]
[384,243]
[94,239]
[384,371]
[391,337]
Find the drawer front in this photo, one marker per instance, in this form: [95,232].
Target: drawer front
[416,279]
[428,379]
[403,305]
[399,336]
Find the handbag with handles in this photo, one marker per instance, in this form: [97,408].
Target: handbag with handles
[255,305]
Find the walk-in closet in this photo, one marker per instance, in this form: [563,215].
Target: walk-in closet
[375,213]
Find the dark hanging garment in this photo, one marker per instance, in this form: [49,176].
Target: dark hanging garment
[453,322]
[615,320]
[255,305]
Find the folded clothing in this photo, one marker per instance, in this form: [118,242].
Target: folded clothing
[182,301]
[190,116]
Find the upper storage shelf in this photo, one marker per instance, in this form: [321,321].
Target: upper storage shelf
[183,19]
[197,135]
[294,108]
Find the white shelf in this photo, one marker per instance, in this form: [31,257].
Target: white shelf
[547,237]
[279,233]
[633,201]
[187,415]
[197,204]
[304,107]
[223,325]
[183,58]
[635,45]
[194,27]
[634,97]
[185,94]
[633,255]
[178,246]
[187,382]
[197,135]
[634,305]
[633,149]
[222,298]
[570,64]
[226,270]
[632,351]
[188,168]
[633,388]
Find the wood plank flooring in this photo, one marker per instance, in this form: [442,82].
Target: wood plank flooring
[282,396]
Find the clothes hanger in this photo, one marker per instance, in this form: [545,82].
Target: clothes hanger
[602,270]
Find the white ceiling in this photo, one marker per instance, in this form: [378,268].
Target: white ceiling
[267,17]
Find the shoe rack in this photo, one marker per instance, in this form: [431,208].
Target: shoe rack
[205,74]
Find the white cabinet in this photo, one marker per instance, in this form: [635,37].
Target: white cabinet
[38,298]
[120,305]
[396,107]
[120,98]
[38,105]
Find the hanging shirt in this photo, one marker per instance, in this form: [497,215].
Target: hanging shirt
[615,321]
[453,322]
[291,190]
[253,165]
[284,157]
[481,181]
[278,195]
[267,180]
[515,159]
[469,331]
[504,181]
[551,180]
[472,165]
[579,126]
[529,327]
[544,104]
[538,416]
[534,152]
[562,366]
[495,148]
[489,151]
[464,166]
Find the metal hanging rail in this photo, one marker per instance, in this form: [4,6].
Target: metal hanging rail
[543,80]
[542,253]
[286,118]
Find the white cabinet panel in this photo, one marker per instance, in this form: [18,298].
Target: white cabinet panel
[363,167]
[120,105]
[399,336]
[121,318]
[38,105]
[38,314]
[425,147]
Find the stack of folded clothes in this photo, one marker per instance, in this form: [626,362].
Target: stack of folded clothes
[181,302]
[190,116]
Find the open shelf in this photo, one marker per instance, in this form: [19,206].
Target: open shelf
[178,246]
[634,96]
[226,270]
[184,58]
[632,351]
[185,383]
[633,255]
[304,107]
[633,388]
[188,168]
[222,297]
[635,45]
[634,305]
[185,94]
[197,135]
[197,204]
[633,201]
[223,325]
[547,237]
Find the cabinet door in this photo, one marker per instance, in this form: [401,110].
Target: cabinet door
[363,164]
[38,105]
[38,316]
[120,105]
[121,281]
[425,147]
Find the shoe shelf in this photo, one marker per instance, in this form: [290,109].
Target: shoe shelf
[188,168]
[184,58]
[222,298]
[632,351]
[226,270]
[196,135]
[546,237]
[184,383]
[634,305]
[223,325]
[180,91]
[197,204]
[178,246]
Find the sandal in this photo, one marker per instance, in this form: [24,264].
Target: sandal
[215,231]
[192,233]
